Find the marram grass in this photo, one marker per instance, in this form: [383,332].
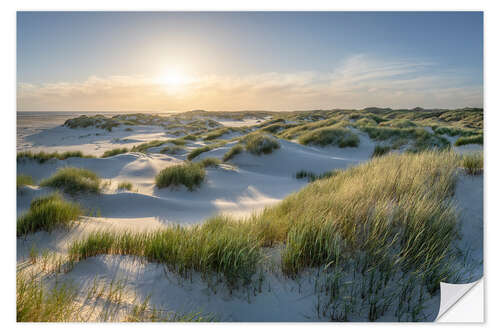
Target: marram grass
[235,150]
[393,214]
[216,246]
[42,157]
[473,163]
[115,151]
[74,180]
[210,162]
[36,301]
[334,135]
[190,175]
[47,213]
[23,180]
[258,143]
[125,186]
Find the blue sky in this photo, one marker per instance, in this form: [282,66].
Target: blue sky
[249,60]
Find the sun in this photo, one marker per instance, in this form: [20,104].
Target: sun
[174,79]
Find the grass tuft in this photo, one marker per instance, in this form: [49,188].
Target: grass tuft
[235,150]
[214,247]
[311,176]
[23,180]
[36,304]
[190,137]
[467,140]
[195,152]
[115,151]
[190,175]
[210,162]
[173,150]
[333,135]
[47,213]
[125,186]
[74,180]
[143,147]
[473,163]
[380,150]
[257,143]
[42,157]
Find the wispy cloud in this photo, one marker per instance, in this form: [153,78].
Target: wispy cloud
[359,82]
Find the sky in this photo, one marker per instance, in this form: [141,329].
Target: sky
[178,61]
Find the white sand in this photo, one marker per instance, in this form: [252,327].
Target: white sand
[246,186]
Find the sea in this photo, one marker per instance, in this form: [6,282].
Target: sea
[29,123]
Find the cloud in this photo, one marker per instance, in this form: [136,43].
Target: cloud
[358,82]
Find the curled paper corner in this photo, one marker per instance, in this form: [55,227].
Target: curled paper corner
[461,302]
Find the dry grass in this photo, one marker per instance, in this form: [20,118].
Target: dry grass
[473,163]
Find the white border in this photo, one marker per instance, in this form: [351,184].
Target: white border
[492,114]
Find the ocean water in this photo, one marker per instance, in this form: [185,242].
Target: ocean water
[29,123]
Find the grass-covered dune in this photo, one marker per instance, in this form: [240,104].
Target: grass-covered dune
[391,217]
[47,213]
[115,151]
[337,136]
[190,175]
[257,144]
[36,302]
[42,157]
[473,163]
[74,180]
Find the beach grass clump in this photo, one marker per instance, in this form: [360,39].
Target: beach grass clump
[334,135]
[42,157]
[217,246]
[189,137]
[23,180]
[125,186]
[235,150]
[393,209]
[399,123]
[217,133]
[210,162]
[34,303]
[365,121]
[115,151]
[303,129]
[419,138]
[467,140]
[380,150]
[74,180]
[454,131]
[190,175]
[47,213]
[258,143]
[143,147]
[173,150]
[311,176]
[473,163]
[195,152]
[178,141]
[200,150]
